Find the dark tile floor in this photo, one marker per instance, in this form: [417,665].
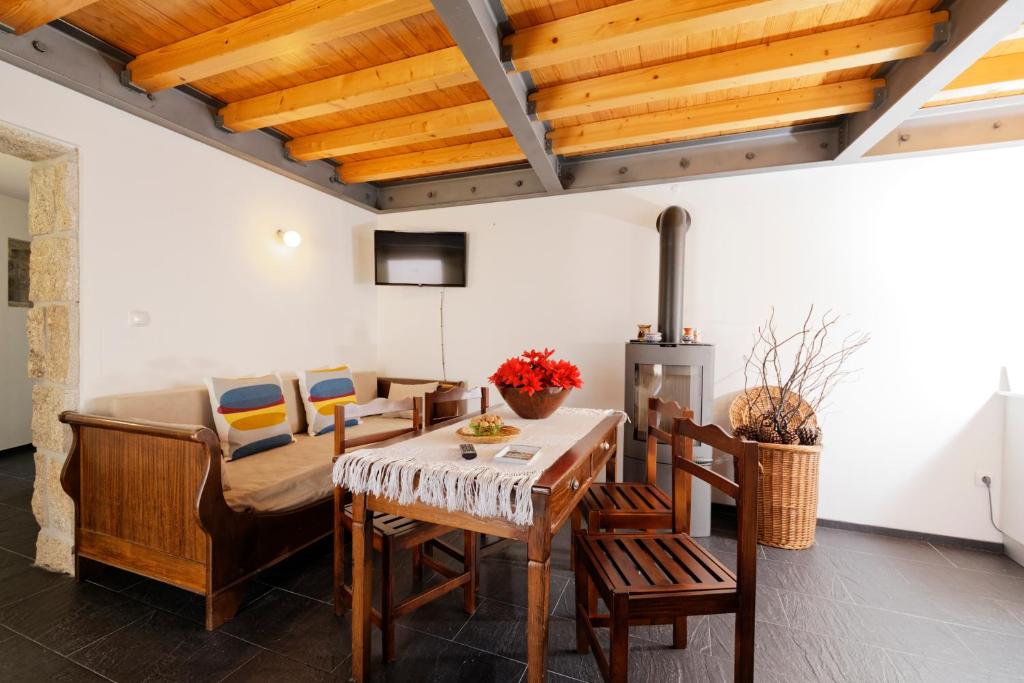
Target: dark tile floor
[855,607]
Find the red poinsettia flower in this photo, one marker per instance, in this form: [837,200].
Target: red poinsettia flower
[534,371]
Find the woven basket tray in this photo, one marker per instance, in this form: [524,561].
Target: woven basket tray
[747,406]
[507,433]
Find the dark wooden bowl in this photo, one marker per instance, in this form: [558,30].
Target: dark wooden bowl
[537,407]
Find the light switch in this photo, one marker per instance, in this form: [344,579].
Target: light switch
[138,318]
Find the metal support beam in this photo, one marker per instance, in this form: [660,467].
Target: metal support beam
[956,128]
[731,155]
[86,65]
[476,27]
[976,26]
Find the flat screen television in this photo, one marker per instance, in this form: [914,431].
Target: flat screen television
[422,259]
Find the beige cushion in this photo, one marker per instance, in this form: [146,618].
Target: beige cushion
[398,392]
[292,476]
[191,405]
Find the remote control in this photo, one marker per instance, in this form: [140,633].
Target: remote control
[468,451]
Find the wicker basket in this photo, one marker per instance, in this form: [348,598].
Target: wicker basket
[747,406]
[787,495]
[787,490]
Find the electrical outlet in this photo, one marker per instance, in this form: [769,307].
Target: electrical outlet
[978,476]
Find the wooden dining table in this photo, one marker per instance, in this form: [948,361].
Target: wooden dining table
[555,495]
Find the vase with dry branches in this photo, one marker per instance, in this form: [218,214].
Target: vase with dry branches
[788,379]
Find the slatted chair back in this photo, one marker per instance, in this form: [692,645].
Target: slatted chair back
[660,412]
[456,395]
[743,491]
[378,406]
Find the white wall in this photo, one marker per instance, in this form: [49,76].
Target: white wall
[186,232]
[15,386]
[924,254]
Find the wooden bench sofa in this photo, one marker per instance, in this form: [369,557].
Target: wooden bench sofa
[154,496]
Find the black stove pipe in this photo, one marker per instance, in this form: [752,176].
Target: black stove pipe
[672,226]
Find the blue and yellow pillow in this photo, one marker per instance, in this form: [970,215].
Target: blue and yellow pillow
[321,391]
[250,414]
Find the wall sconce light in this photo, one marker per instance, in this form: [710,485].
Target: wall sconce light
[289,238]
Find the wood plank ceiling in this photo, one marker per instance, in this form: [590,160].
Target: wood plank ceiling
[380,87]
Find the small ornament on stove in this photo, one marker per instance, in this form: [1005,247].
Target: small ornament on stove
[642,331]
[687,335]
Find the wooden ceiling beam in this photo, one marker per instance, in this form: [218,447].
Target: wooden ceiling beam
[633,24]
[392,81]
[988,77]
[975,27]
[845,48]
[443,160]
[718,118]
[265,35]
[466,119]
[21,16]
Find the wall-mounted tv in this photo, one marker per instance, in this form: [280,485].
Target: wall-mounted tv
[423,259]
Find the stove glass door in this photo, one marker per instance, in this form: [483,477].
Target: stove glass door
[679,383]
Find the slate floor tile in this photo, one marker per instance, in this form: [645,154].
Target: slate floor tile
[19,579]
[426,659]
[876,544]
[909,668]
[161,646]
[902,595]
[981,561]
[894,630]
[28,662]
[71,616]
[20,464]
[788,654]
[506,581]
[295,626]
[940,580]
[997,653]
[18,531]
[501,628]
[270,666]
[16,492]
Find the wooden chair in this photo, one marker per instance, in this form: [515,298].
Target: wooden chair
[392,533]
[627,505]
[438,405]
[665,577]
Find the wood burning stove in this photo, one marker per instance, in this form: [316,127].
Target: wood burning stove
[671,370]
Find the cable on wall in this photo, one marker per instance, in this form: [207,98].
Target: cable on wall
[444,365]
[987,481]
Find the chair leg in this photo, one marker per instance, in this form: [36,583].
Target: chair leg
[387,599]
[679,633]
[417,563]
[618,654]
[582,610]
[339,555]
[593,526]
[744,668]
[576,521]
[469,565]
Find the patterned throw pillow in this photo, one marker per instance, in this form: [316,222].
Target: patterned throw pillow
[321,391]
[250,414]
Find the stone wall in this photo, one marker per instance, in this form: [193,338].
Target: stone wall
[52,331]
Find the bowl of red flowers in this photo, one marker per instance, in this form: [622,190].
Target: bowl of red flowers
[534,385]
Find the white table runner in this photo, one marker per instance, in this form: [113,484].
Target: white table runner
[430,468]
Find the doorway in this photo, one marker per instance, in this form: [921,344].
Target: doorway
[18,526]
[39,340]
